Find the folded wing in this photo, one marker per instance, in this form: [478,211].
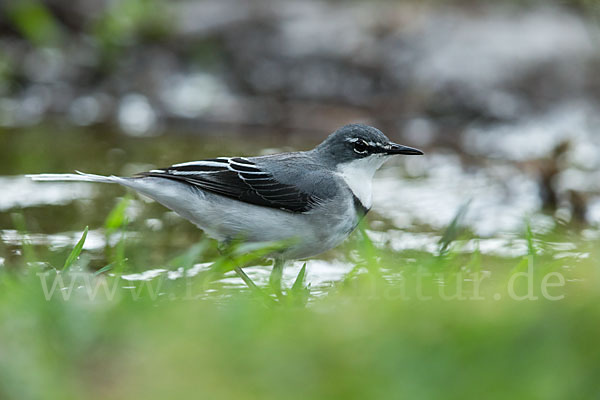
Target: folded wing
[241,179]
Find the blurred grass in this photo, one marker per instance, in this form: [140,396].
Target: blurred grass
[401,324]
[369,336]
[35,22]
[395,326]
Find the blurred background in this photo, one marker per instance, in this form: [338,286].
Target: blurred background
[502,96]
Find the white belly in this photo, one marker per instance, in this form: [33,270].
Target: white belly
[225,219]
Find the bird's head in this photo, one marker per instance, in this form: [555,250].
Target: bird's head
[360,147]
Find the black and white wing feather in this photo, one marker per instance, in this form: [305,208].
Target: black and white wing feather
[241,179]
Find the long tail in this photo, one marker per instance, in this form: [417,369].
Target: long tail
[175,195]
[79,176]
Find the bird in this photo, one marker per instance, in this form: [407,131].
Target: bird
[312,199]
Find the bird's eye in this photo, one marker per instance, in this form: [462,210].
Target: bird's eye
[360,146]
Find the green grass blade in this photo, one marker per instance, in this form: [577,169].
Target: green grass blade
[369,253]
[117,218]
[189,257]
[76,250]
[530,240]
[104,269]
[299,282]
[454,229]
[242,254]
[299,294]
[18,220]
[117,221]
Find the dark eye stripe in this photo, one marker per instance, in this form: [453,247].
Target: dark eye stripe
[360,146]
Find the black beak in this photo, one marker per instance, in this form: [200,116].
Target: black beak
[399,149]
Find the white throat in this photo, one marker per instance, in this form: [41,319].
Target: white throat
[358,175]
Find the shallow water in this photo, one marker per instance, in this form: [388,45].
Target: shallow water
[415,198]
[512,131]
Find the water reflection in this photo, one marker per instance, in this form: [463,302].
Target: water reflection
[21,192]
[96,239]
[320,273]
[501,196]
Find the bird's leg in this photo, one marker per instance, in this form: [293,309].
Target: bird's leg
[222,247]
[246,278]
[275,277]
